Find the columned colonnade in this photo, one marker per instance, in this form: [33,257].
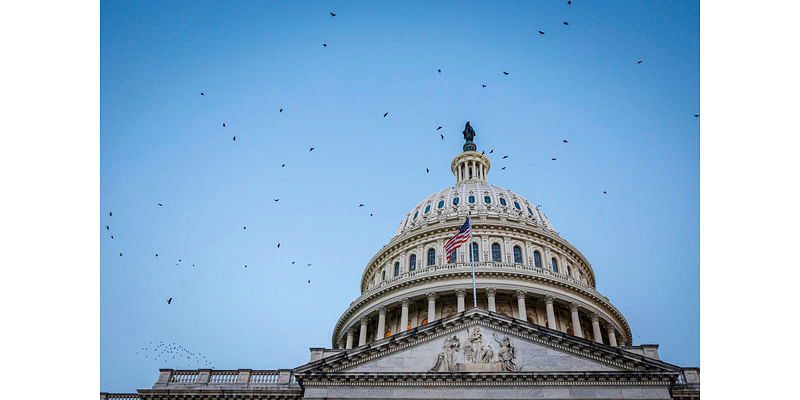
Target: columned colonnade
[490,293]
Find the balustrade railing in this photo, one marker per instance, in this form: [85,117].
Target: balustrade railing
[226,378]
[119,396]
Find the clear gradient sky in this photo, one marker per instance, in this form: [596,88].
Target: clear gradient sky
[630,127]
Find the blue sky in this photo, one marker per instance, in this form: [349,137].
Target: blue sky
[630,128]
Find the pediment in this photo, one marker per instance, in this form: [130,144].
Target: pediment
[481,341]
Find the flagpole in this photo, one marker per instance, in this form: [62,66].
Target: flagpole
[472,256]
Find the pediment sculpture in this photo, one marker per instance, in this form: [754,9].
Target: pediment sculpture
[477,355]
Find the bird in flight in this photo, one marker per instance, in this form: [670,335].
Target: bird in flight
[223,124]
[370,214]
[505,73]
[505,156]
[482,85]
[169,301]
[442,136]
[202,94]
[440,71]
[245,265]
[109,213]
[604,192]
[120,254]
[309,282]
[565,141]
[491,151]
[234,138]
[696,115]
[565,23]
[112,236]
[439,127]
[244,227]
[541,33]
[311,149]
[279,245]
[308,265]
[639,62]
[427,170]
[281,110]
[384,115]
[553,159]
[283,165]
[503,168]
[324,45]
[160,205]
[106,227]
[361,205]
[332,14]
[156,254]
[483,152]
[569,2]
[276,200]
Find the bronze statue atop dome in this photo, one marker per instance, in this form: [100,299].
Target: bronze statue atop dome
[469,134]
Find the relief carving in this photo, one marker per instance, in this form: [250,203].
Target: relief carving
[478,357]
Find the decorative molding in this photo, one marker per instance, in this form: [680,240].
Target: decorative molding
[461,292]
[491,292]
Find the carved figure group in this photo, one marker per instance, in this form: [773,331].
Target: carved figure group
[447,357]
[475,351]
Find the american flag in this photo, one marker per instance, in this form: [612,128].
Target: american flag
[460,238]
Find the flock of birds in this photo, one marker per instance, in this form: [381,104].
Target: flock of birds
[173,351]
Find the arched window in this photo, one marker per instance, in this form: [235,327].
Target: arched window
[496,252]
[555,265]
[517,255]
[396,268]
[487,199]
[537,259]
[569,270]
[431,257]
[475,256]
[455,201]
[383,278]
[412,262]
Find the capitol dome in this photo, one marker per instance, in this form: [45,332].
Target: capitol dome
[523,268]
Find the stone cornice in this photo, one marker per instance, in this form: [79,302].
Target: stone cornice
[500,224]
[439,379]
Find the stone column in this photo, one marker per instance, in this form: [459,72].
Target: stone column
[576,320]
[551,316]
[523,312]
[612,336]
[460,293]
[431,306]
[349,344]
[404,315]
[598,337]
[381,323]
[362,337]
[490,293]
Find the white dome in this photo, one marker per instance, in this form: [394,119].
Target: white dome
[472,197]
